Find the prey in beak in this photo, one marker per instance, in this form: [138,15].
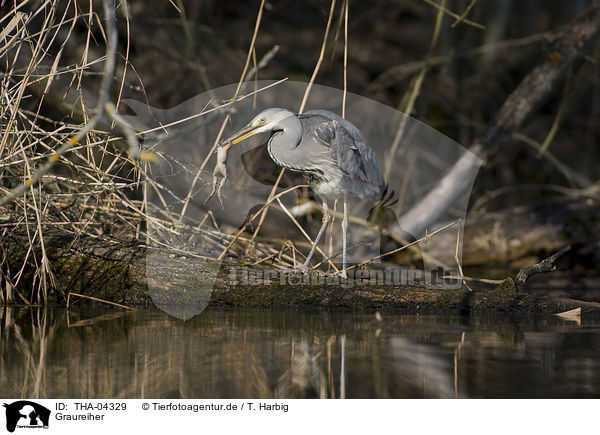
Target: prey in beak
[220,171]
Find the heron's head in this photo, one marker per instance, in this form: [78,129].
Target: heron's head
[267,120]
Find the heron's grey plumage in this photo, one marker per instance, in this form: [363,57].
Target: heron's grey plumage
[330,150]
[360,172]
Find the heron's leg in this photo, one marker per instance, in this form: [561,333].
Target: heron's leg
[344,237]
[319,234]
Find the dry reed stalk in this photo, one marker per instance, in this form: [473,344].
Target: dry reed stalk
[414,93]
[346,6]
[402,248]
[228,116]
[464,14]
[457,259]
[31,152]
[459,18]
[98,300]
[293,219]
[319,60]
[302,106]
[103,95]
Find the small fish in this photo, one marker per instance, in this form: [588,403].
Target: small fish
[219,173]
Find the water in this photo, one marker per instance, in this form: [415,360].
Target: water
[106,353]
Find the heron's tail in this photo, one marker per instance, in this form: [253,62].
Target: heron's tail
[381,214]
[388,197]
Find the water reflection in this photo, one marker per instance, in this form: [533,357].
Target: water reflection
[100,353]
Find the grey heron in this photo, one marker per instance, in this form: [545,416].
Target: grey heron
[329,150]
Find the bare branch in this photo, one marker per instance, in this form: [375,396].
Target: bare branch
[547,265]
[533,90]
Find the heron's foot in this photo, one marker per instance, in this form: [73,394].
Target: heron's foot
[303,269]
[300,269]
[344,274]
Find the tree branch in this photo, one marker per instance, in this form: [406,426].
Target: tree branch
[547,265]
[533,90]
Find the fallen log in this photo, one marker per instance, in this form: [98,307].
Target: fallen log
[120,273]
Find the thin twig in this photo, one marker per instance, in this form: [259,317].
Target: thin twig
[319,60]
[263,62]
[264,212]
[346,6]
[574,177]
[442,8]
[559,114]
[287,212]
[464,14]
[209,111]
[460,271]
[100,300]
[470,278]
[416,89]
[258,212]
[402,248]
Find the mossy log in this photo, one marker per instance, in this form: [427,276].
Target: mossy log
[118,273]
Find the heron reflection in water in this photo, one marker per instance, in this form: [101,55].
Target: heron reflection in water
[330,151]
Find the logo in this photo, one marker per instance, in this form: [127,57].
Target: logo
[26,414]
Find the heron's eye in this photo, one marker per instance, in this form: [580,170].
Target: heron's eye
[262,120]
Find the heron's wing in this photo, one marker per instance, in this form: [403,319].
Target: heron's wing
[355,158]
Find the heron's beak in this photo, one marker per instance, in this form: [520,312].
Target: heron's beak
[244,133]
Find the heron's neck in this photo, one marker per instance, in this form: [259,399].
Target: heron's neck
[283,146]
